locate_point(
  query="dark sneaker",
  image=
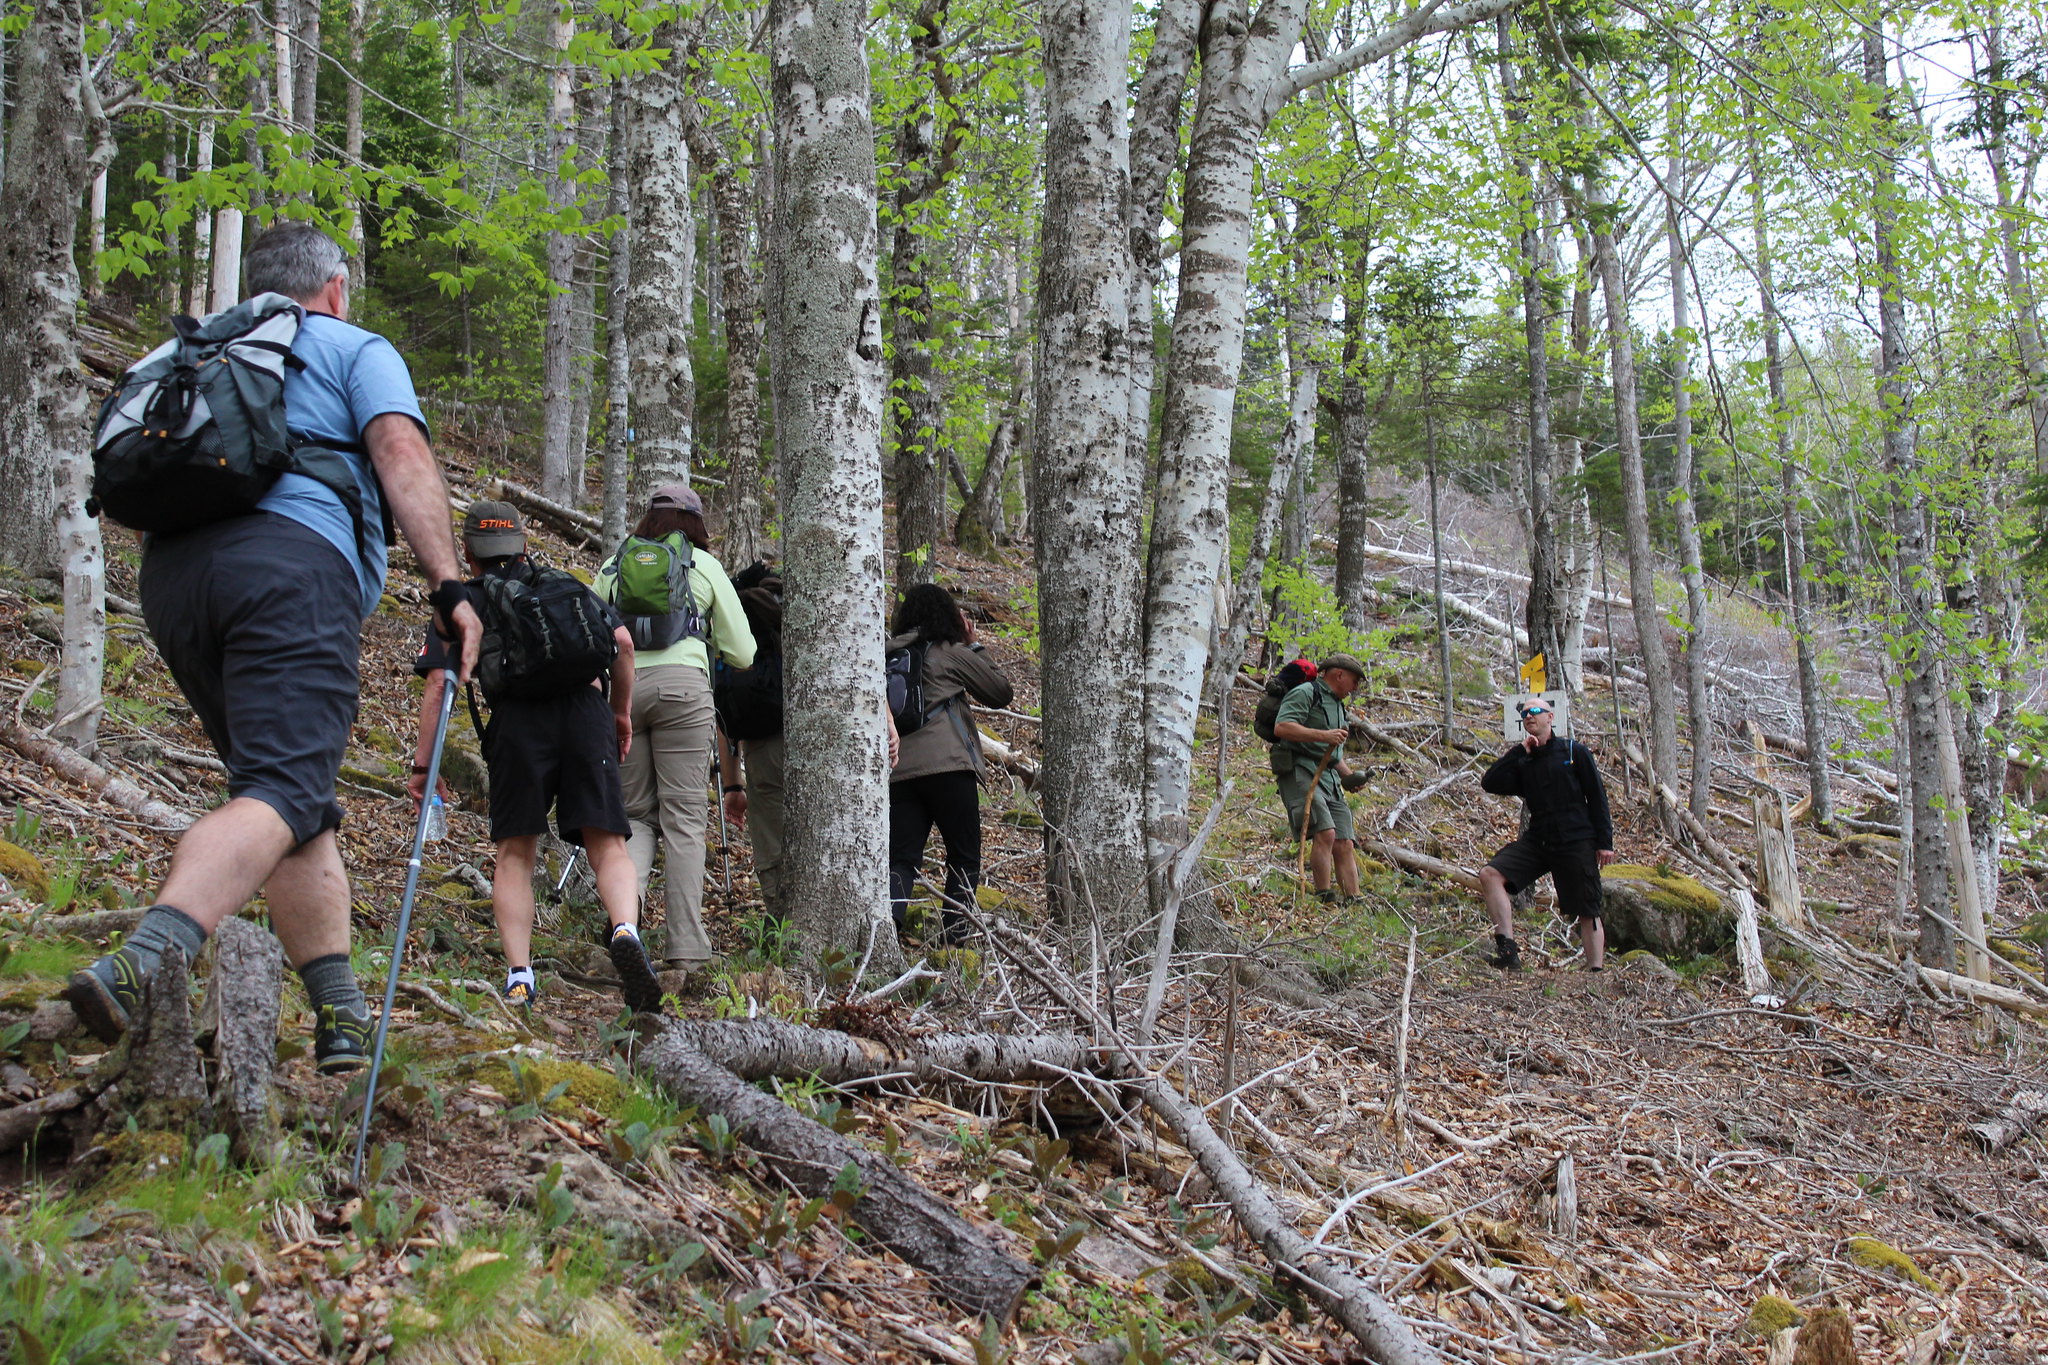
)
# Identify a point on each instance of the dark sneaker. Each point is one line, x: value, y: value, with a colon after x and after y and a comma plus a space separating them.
x: 104, y: 994
x: 1326, y: 897
x: 1506, y: 954
x: 341, y: 1043
x: 636, y: 974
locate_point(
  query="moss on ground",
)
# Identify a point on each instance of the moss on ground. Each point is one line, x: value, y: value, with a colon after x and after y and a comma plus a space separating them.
x: 1773, y: 1314
x: 1872, y: 1254
x: 25, y: 870
x: 588, y: 1086
x: 1668, y: 890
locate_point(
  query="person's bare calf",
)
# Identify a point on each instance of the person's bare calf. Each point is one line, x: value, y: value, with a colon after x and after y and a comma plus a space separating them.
x: 1593, y: 942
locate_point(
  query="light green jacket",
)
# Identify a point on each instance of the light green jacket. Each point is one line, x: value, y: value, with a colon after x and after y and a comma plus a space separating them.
x: 714, y: 596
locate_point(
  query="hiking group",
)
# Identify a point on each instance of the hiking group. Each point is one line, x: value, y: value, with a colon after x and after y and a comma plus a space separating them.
x: 1568, y: 833
x: 269, y: 453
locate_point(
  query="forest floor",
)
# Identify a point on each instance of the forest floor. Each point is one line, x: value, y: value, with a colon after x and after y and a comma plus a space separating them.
x: 1736, y: 1167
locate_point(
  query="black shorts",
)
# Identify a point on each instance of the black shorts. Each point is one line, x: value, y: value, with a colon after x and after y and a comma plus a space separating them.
x: 561, y: 753
x: 260, y: 620
x: 1574, y: 870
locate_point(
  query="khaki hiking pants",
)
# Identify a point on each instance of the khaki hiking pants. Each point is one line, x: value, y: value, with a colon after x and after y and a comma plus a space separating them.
x: 667, y: 777
x: 763, y: 761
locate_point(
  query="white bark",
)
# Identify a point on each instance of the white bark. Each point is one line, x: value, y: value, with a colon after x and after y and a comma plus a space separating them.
x: 1087, y: 484
x: 618, y: 388
x: 197, y: 284
x: 85, y: 586
x: 557, y: 396
x: 826, y: 315
x: 659, y: 278
x: 352, y: 131
x: 1699, y: 722
x: 96, y: 235
x: 1642, y: 578
x: 226, y: 289
x: 43, y: 406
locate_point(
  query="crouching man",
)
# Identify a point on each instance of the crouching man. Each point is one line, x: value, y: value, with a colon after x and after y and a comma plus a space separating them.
x: 560, y: 751
x: 1571, y: 835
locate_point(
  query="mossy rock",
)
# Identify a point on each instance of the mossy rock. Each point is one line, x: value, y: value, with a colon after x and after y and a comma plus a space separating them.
x: 1371, y: 867
x: 1643, y: 960
x: 1667, y: 914
x: 588, y: 1086
x: 24, y: 871
x: 1773, y: 1314
x: 966, y: 959
x: 1182, y: 1279
x: 1872, y: 1254
x: 462, y: 768
x: 1859, y: 844
x: 375, y: 781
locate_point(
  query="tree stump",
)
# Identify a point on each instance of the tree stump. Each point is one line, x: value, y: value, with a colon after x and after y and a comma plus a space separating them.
x: 153, y: 1074
x: 242, y: 999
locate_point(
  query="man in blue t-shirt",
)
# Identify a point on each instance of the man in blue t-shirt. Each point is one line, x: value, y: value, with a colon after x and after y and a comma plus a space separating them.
x: 259, y: 618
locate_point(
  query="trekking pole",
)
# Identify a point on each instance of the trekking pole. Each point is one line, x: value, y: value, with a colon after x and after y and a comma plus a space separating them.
x: 412, y: 886
x: 568, y: 871
x: 724, y: 835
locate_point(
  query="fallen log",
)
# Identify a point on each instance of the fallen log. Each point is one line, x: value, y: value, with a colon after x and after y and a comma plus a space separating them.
x: 1409, y: 860
x: 1985, y: 992
x: 116, y: 791
x: 2028, y: 1111
x: 1381, y: 737
x: 579, y: 527
x: 968, y: 1266
x: 1009, y: 760
x: 21, y: 1123
x: 1383, y: 1333
x: 755, y: 1049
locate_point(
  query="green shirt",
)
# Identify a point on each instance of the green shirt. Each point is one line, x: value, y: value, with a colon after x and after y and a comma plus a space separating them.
x: 714, y: 596
x: 1311, y: 706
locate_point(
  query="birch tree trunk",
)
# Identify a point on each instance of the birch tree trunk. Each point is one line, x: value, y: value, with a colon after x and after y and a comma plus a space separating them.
x: 557, y: 384
x: 96, y: 233
x: 1546, y: 608
x: 1699, y: 721
x: 305, y: 66
x: 1919, y: 656
x: 43, y: 407
x: 1309, y: 305
x: 659, y: 277
x: 352, y: 131
x: 1086, y: 476
x: 1154, y: 154
x: 826, y: 310
x: 618, y: 380
x: 1642, y: 577
x: 1812, y: 705
x: 983, y: 523
x: 199, y: 282
x: 744, y: 537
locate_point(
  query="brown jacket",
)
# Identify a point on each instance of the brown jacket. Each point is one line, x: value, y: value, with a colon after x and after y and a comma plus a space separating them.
x: 948, y: 742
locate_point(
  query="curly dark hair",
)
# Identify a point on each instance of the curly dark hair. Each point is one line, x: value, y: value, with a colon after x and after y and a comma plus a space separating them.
x: 657, y: 522
x: 929, y: 610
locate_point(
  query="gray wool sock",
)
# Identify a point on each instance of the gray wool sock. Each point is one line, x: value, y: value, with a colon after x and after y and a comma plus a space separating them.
x: 161, y: 927
x: 331, y: 980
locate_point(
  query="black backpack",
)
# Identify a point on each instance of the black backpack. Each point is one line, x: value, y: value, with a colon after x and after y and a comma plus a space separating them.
x: 1282, y: 681
x: 749, y: 700
x: 195, y: 431
x: 903, y: 670
x: 545, y: 634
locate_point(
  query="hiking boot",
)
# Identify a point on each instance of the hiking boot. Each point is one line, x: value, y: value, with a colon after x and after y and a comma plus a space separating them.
x: 1326, y: 897
x: 341, y: 1043
x: 636, y: 974
x: 104, y: 994
x: 1506, y: 955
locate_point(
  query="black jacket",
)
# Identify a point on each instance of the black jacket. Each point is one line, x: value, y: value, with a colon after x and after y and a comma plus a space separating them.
x: 1561, y: 784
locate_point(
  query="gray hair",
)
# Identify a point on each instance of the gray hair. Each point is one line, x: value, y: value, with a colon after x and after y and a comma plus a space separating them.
x: 295, y: 260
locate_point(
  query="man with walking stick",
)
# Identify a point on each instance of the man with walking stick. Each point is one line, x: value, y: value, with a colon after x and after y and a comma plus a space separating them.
x: 259, y: 617
x: 1308, y: 761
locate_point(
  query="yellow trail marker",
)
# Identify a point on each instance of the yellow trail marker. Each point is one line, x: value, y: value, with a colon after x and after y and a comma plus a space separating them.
x: 1534, y: 676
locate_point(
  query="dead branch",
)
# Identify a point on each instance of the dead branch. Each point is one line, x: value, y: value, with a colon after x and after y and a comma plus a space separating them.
x: 578, y: 527
x: 1383, y: 1333
x: 968, y: 1267
x: 2028, y: 1109
x: 118, y: 791
x: 21, y: 1123
x: 1009, y: 760
x: 1409, y: 860
x: 1985, y: 992
x: 756, y: 1049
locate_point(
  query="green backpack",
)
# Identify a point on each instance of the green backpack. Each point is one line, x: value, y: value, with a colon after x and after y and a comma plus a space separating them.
x: 654, y: 595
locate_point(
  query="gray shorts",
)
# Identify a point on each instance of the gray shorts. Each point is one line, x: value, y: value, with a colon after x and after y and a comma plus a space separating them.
x: 260, y: 621
x: 1329, y: 810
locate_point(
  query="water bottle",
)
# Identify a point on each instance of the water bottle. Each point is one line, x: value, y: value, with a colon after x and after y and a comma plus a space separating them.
x: 437, y: 818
